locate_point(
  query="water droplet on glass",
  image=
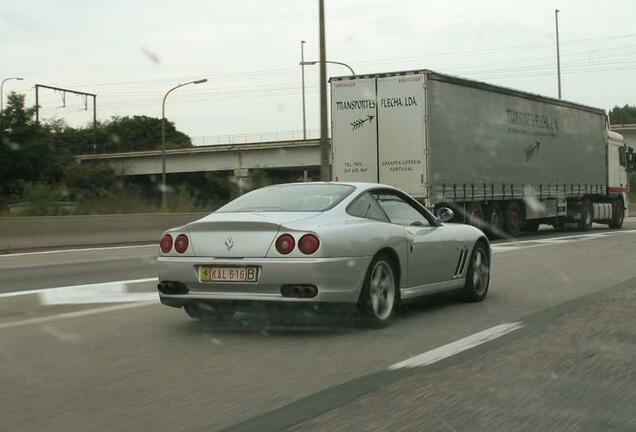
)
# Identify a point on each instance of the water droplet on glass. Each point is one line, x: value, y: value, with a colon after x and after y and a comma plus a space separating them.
x: 150, y: 55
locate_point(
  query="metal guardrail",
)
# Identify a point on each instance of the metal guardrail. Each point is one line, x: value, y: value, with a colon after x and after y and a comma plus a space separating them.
x: 241, y: 138
x: 255, y: 137
x: 87, y: 230
x: 114, y: 147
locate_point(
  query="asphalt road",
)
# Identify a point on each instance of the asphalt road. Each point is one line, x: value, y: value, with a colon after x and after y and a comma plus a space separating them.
x: 565, y: 302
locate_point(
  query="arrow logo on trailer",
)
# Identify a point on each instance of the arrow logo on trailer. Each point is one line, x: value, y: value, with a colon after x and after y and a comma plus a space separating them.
x: 357, y: 124
x: 532, y: 150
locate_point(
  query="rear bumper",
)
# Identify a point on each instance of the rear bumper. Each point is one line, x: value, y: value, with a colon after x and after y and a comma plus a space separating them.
x: 338, y: 280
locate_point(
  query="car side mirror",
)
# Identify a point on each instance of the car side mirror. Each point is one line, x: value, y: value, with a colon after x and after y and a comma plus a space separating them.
x: 445, y: 214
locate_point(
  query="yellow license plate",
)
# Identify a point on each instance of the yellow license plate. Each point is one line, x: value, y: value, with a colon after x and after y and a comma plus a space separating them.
x: 228, y: 274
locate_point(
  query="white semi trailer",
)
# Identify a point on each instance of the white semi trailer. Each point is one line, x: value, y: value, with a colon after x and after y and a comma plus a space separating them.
x: 503, y: 159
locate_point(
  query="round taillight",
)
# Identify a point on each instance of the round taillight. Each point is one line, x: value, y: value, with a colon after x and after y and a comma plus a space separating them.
x: 308, y: 244
x: 181, y: 243
x: 285, y: 244
x: 166, y: 243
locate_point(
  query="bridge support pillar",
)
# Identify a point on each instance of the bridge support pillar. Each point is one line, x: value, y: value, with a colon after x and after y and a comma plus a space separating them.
x: 241, y: 175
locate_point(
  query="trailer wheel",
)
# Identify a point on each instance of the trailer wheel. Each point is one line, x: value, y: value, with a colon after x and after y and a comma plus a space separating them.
x: 618, y: 214
x: 513, y: 218
x: 475, y: 215
x: 494, y: 220
x: 585, y: 223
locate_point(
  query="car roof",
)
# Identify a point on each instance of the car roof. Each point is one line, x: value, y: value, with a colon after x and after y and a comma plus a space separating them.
x: 357, y: 185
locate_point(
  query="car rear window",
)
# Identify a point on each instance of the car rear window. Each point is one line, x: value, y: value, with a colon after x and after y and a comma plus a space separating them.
x: 283, y: 198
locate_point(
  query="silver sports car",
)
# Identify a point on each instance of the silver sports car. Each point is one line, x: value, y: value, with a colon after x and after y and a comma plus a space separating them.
x: 359, y: 243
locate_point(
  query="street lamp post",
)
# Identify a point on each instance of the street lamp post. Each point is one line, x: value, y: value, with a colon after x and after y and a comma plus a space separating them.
x: 309, y: 63
x: 302, y: 68
x: 1, y: 88
x: 325, y: 148
x: 556, y: 21
x: 163, y: 139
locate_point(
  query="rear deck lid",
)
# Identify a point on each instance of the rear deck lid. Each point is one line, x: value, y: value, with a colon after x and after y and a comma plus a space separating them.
x: 239, y: 235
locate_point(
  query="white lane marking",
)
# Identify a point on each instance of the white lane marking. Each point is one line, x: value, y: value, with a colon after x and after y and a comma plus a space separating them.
x: 74, y: 287
x: 109, y: 292
x: 61, y: 335
x: 105, y: 294
x: 77, y: 250
x: 70, y: 315
x: 514, y: 245
x: 456, y: 347
x: 499, y: 249
x: 576, y: 237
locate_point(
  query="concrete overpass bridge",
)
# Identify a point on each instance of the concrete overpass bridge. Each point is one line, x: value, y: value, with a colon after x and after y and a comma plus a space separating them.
x: 239, y: 158
x: 628, y: 131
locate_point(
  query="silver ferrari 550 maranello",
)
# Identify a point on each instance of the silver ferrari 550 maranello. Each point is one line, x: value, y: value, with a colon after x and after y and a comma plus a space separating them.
x: 365, y: 244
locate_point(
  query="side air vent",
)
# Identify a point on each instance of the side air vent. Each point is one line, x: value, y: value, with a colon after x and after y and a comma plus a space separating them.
x: 461, y: 263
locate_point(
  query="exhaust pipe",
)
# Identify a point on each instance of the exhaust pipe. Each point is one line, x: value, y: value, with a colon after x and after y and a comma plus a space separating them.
x: 310, y: 291
x: 172, y: 288
x: 299, y: 291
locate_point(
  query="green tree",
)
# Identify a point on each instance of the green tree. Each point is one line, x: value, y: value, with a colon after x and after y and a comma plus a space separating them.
x: 118, y: 134
x: 208, y: 189
x: 27, y: 151
x: 145, y: 131
x: 89, y: 180
x: 75, y: 140
x: 623, y: 115
x: 37, y: 164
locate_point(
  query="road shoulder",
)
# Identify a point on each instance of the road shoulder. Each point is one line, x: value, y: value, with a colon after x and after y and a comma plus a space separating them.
x: 568, y: 368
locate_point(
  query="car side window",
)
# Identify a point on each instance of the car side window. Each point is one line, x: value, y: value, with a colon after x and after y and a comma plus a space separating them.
x: 366, y: 207
x: 399, y: 211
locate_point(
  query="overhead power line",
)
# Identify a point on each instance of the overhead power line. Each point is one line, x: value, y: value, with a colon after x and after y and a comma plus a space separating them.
x: 63, y: 92
x: 293, y: 70
x: 585, y: 55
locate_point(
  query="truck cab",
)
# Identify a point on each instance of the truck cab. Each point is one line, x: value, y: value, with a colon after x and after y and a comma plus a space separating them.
x: 620, y: 161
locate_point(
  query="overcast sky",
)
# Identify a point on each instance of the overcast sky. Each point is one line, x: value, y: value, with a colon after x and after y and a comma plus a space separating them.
x: 130, y: 52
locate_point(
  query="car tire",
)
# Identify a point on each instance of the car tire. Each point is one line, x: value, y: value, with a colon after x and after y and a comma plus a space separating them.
x: 585, y: 223
x: 618, y: 214
x: 380, y: 293
x: 513, y: 218
x: 493, y: 220
x: 210, y: 311
x: 477, y: 275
